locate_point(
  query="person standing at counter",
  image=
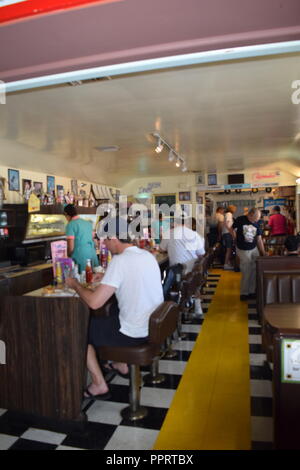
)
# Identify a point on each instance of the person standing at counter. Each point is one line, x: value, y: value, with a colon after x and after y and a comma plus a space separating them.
x: 277, y: 222
x: 80, y: 241
x: 134, y: 277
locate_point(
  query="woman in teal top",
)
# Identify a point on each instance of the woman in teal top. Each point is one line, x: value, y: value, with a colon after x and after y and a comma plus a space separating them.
x: 80, y: 239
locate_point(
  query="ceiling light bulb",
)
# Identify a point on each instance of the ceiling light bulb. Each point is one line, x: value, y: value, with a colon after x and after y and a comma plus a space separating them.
x: 178, y: 163
x: 171, y: 156
x: 159, y: 147
x: 298, y: 180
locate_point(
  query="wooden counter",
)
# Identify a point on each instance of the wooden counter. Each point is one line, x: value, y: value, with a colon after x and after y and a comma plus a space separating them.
x: 17, y: 280
x: 45, y: 371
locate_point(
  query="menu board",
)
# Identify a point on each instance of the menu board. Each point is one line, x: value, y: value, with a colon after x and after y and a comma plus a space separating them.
x: 165, y: 199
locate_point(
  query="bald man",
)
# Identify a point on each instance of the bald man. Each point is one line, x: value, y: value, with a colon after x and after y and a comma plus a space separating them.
x: 249, y: 246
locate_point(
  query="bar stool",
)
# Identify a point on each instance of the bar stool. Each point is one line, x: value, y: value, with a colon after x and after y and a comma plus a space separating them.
x: 162, y: 323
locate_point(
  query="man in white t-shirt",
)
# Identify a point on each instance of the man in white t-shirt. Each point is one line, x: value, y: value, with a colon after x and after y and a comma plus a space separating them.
x: 134, y: 277
x: 184, y: 246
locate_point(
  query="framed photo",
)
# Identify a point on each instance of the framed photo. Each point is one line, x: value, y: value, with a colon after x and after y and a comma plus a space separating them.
x: 185, y: 196
x: 38, y: 187
x: 13, y: 180
x: 200, y: 178
x: 199, y: 198
x: 74, y: 187
x: 186, y: 210
x: 50, y: 184
x: 212, y: 179
x: 59, y: 187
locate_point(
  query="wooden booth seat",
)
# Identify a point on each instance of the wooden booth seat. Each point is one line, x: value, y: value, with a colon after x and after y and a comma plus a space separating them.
x: 280, y: 288
x: 271, y: 264
x: 283, y: 322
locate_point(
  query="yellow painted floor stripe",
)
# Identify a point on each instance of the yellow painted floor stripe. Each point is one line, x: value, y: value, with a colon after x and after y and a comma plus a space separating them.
x: 211, y: 407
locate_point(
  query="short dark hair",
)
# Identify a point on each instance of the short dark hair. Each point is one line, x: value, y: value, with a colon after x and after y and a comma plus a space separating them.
x: 70, y: 210
x: 276, y: 208
x: 292, y: 242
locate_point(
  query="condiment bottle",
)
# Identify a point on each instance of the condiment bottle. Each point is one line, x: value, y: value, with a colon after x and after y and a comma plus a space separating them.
x: 59, y: 277
x: 88, y: 271
x: 103, y: 258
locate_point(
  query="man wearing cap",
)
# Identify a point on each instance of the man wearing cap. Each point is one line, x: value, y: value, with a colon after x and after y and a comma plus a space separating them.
x: 134, y: 277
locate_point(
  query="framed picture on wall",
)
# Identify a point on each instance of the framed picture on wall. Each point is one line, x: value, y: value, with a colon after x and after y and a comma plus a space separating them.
x: 185, y: 196
x: 200, y: 178
x: 38, y: 187
x: 74, y: 187
x: 59, y: 187
x: 13, y: 180
x: 50, y: 184
x: 212, y: 179
x: 199, y: 198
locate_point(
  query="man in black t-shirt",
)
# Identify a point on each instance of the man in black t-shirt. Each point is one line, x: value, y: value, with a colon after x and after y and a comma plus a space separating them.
x: 249, y: 245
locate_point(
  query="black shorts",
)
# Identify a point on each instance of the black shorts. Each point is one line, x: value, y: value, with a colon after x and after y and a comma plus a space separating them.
x: 104, y: 331
x: 227, y: 240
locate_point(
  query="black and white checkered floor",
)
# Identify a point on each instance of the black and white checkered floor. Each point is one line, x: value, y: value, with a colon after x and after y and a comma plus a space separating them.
x: 105, y: 428
x: 260, y: 386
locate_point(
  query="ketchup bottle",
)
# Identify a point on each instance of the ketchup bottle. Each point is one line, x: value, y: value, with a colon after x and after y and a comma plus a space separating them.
x: 88, y: 271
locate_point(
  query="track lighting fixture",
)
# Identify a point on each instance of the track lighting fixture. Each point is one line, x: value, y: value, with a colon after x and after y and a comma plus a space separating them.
x: 184, y: 168
x: 159, y: 147
x: 161, y: 143
x: 171, y: 156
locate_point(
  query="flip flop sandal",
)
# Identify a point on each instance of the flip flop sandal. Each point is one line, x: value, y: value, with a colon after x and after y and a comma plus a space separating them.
x: 102, y: 396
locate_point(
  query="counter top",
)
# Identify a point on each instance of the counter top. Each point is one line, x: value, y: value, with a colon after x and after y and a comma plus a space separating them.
x: 16, y: 271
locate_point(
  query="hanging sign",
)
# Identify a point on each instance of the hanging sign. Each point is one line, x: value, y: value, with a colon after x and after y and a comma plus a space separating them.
x: 265, y: 176
x: 237, y: 186
x: 12, y: 10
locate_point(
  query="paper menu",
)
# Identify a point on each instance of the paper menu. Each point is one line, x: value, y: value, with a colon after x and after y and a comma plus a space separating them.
x: 58, y: 250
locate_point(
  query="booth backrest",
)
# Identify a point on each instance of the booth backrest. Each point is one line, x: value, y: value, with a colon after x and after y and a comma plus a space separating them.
x: 281, y: 287
x: 272, y: 264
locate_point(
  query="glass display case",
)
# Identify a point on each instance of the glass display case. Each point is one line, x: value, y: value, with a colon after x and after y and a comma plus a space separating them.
x: 92, y: 218
x: 45, y: 226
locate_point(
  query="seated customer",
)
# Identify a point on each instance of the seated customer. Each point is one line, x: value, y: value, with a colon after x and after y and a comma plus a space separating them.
x: 184, y: 245
x: 292, y: 244
x: 134, y: 277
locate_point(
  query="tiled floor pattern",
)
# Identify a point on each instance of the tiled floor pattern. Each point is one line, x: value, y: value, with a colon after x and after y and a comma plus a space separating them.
x: 105, y: 428
x: 260, y: 385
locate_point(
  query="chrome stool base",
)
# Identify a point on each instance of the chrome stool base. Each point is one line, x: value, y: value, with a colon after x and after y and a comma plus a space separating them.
x: 131, y: 415
x: 157, y: 379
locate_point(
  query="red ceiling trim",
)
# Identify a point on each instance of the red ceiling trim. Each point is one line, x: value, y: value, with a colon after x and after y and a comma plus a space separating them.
x: 30, y: 8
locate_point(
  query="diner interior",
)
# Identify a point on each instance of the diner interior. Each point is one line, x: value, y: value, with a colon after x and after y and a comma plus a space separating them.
x: 189, y: 110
